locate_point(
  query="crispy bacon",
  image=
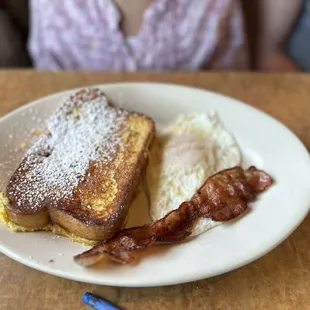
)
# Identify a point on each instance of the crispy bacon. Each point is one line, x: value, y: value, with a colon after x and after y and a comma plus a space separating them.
x: 223, y: 197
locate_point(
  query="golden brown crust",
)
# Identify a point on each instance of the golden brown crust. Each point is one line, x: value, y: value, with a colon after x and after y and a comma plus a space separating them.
x: 93, y: 227
x: 98, y: 205
x: 36, y: 220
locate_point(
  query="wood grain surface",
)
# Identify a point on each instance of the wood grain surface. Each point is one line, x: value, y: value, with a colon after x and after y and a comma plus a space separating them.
x: 279, y: 280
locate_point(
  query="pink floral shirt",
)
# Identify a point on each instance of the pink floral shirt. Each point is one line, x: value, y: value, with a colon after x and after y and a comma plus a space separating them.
x: 174, y: 35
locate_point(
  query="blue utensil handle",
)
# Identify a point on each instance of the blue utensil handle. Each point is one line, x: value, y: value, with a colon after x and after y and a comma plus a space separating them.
x: 97, y: 302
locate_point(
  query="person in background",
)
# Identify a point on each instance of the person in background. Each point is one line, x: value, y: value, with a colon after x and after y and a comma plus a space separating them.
x: 157, y: 35
x: 114, y: 35
x: 166, y: 34
x: 276, y: 28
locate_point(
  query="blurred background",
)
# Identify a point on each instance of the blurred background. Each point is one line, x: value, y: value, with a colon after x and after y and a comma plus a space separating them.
x: 15, y: 20
x: 14, y: 27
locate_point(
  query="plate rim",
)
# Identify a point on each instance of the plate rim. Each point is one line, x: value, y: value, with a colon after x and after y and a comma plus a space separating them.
x: 101, y: 281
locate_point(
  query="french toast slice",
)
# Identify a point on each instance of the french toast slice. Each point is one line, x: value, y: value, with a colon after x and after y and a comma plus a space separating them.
x: 83, y: 172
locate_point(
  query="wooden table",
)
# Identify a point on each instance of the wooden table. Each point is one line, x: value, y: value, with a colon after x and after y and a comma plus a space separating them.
x: 279, y: 280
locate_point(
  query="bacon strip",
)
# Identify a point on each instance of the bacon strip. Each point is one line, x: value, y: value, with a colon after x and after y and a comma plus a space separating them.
x: 223, y: 197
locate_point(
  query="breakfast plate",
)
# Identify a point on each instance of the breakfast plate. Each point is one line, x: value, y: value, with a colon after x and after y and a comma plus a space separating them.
x: 264, y: 142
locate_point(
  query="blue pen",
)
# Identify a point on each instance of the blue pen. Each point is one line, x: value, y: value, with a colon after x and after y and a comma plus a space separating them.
x: 97, y: 302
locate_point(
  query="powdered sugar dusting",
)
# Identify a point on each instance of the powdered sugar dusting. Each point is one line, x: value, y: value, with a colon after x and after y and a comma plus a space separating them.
x: 83, y: 130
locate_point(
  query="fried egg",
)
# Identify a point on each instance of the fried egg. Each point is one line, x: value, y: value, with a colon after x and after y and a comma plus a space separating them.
x: 185, y: 153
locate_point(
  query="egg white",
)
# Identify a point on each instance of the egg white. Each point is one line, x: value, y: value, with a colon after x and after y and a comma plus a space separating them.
x: 184, y: 155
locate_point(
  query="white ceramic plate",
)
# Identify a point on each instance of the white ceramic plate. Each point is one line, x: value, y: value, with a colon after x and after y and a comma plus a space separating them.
x: 264, y: 142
